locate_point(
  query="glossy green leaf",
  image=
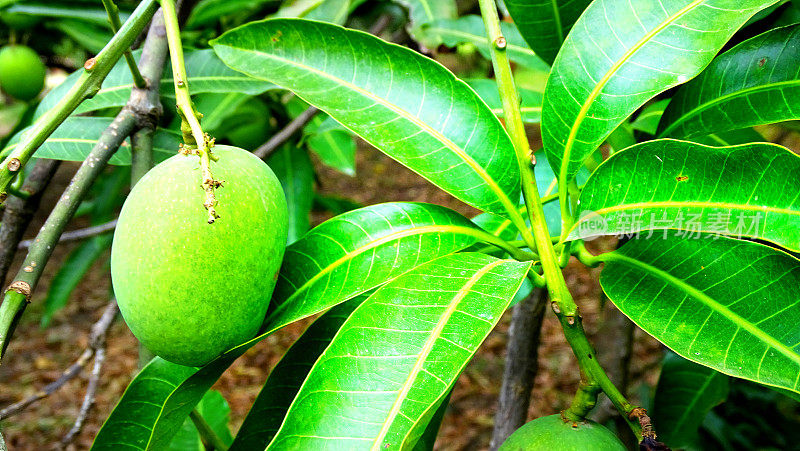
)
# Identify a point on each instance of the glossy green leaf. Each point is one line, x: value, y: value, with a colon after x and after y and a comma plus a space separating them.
x: 647, y: 121
x: 362, y: 249
x: 131, y: 423
x: 206, y: 74
x: 545, y: 23
x: 294, y: 170
x: 90, y: 36
x: 427, y: 440
x: 470, y: 29
x: 423, y: 12
x: 530, y: 106
x: 215, y: 410
x: 207, y: 12
x: 730, y: 138
x: 384, y: 375
x: 757, y: 82
x: 406, y: 234
x: 686, y: 392
x: 333, y: 144
x: 53, y: 9
x: 75, y: 137
x: 409, y: 106
x: 741, y: 191
x: 216, y: 108
x: 273, y: 401
x: 619, y: 55
x: 727, y: 304
x: 333, y: 11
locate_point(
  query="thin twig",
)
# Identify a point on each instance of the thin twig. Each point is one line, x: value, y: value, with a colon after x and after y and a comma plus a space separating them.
x: 113, y: 20
x: 277, y: 140
x: 19, y: 212
x: 520, y: 367
x: 96, y: 340
x: 77, y: 235
x: 88, y: 399
x: 209, y: 438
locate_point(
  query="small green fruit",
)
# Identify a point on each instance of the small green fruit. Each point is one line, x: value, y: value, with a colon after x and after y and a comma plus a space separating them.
x: 551, y: 433
x: 190, y: 290
x: 21, y: 72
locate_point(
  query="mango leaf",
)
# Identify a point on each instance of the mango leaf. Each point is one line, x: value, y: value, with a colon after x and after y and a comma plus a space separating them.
x: 470, y: 29
x: 216, y: 108
x: 267, y: 413
x: 427, y: 440
x: 686, y: 392
x: 399, y: 353
x: 647, y: 121
x: 545, y: 23
x: 409, y: 106
x: 52, y: 9
x: 422, y: 12
x: 75, y: 137
x: 362, y: 249
x: 742, y: 191
x: 396, y: 237
x: 206, y: 74
x: 727, y: 304
x: 621, y: 54
x: 332, y: 143
x: 730, y: 138
x: 294, y: 170
x: 88, y: 35
x: 757, y: 82
x: 333, y: 11
x: 531, y: 106
x: 210, y: 11
x: 215, y: 410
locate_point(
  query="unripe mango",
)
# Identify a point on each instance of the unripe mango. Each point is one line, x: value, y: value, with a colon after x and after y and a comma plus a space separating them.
x: 551, y: 433
x: 22, y: 73
x: 190, y: 290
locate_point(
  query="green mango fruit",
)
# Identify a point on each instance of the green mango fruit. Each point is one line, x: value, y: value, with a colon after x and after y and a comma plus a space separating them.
x: 551, y: 433
x: 21, y: 72
x: 190, y: 290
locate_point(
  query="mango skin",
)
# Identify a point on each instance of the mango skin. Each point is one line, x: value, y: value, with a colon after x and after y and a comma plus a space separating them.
x: 190, y: 290
x: 22, y: 73
x: 551, y: 433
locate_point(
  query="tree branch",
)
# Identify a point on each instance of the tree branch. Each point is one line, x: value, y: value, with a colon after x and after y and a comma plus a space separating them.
x: 520, y: 366
x: 77, y: 235
x: 19, y: 212
x: 278, y: 139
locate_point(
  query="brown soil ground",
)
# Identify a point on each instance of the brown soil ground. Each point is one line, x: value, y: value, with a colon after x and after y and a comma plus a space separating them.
x: 38, y: 356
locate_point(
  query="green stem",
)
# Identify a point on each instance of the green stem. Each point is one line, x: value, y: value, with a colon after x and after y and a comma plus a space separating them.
x: 207, y: 435
x: 113, y: 19
x: 561, y: 300
x: 193, y: 135
x: 87, y: 85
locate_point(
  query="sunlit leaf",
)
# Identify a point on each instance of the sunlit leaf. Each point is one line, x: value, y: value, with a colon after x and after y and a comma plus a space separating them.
x: 399, y: 353
x: 727, y: 304
x: 545, y: 23
x: 406, y: 105
x: 619, y: 55
x: 742, y: 191
x: 757, y: 82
